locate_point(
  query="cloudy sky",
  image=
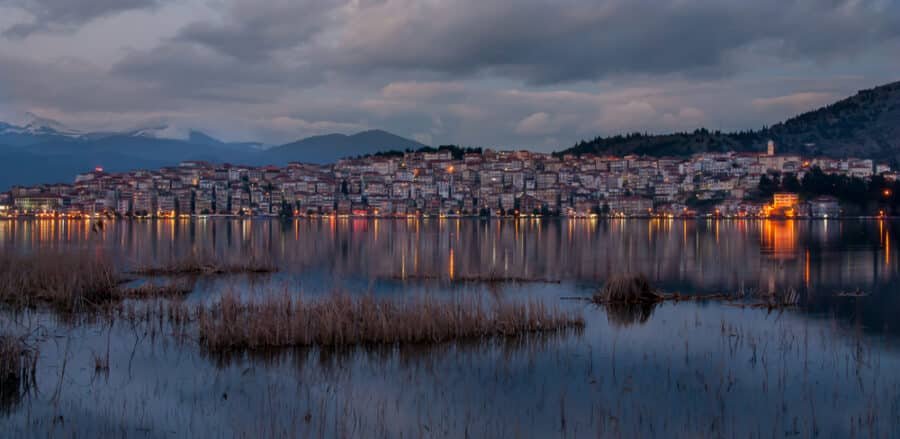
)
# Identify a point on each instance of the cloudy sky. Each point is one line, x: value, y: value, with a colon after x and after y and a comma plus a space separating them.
x: 509, y: 73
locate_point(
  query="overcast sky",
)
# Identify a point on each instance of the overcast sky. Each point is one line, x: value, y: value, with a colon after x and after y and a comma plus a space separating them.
x: 513, y: 73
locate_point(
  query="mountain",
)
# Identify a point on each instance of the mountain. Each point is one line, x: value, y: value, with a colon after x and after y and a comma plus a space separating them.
x: 18, y: 166
x: 37, y: 130
x: 46, y: 151
x: 864, y: 125
x: 332, y: 147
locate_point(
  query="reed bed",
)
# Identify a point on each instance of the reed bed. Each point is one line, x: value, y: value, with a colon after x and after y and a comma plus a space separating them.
x: 67, y: 281
x: 623, y: 290
x: 341, y: 320
x: 206, y: 265
x: 17, y: 369
x: 483, y: 279
x: 155, y: 289
x: 72, y: 282
x: 627, y: 289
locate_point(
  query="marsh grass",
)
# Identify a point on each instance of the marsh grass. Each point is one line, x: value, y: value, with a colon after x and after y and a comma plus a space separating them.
x: 780, y: 299
x: 207, y: 265
x: 475, y: 279
x: 72, y: 283
x: 627, y: 289
x: 632, y: 297
x: 155, y: 289
x: 17, y: 369
x: 341, y: 320
x: 66, y: 281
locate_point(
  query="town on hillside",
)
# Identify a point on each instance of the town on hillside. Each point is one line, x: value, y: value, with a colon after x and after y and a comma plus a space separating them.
x: 451, y: 181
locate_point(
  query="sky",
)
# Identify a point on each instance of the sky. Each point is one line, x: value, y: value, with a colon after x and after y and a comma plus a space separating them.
x: 538, y: 74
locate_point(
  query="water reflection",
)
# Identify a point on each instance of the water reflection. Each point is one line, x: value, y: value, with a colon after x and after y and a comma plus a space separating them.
x: 624, y: 315
x: 688, y: 369
x: 690, y: 255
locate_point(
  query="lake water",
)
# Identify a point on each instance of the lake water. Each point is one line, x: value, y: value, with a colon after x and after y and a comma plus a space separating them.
x: 829, y: 367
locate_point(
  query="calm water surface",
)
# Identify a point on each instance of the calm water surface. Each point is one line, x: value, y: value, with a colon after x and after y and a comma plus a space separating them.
x: 828, y: 368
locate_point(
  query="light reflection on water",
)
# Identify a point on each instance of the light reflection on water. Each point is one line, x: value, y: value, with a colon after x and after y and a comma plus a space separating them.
x: 684, y: 255
x: 827, y: 368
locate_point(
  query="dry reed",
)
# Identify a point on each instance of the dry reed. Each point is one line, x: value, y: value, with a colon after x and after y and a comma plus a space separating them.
x: 17, y: 369
x: 208, y: 265
x: 342, y: 320
x: 72, y: 282
x: 475, y: 279
x: 67, y: 281
x: 627, y: 289
x: 153, y: 289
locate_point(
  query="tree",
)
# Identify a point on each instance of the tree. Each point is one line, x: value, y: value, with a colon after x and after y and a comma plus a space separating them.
x: 790, y: 183
x: 768, y: 185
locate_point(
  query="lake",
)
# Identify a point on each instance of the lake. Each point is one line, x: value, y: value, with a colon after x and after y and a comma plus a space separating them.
x: 827, y: 367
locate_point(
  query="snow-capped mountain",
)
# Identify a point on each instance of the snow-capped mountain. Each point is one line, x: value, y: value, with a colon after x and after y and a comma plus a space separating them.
x: 43, y: 126
x: 40, y: 130
x: 39, y: 126
x: 166, y: 131
x: 36, y: 130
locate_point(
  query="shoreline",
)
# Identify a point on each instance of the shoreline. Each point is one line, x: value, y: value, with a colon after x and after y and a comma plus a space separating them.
x: 436, y: 217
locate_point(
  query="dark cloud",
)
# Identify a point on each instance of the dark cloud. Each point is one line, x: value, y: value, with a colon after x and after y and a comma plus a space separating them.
x: 492, y: 72
x: 253, y: 30
x: 550, y: 41
x: 183, y: 70
x: 70, y: 86
x: 65, y: 15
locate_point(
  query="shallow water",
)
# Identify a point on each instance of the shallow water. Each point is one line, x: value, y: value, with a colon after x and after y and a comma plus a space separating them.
x: 827, y: 368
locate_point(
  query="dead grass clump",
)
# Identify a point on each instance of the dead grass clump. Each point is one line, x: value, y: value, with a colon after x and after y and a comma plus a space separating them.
x: 208, y: 265
x: 17, y: 369
x: 153, y: 289
x: 66, y: 281
x: 342, y: 320
x: 777, y: 300
x: 625, y: 289
x: 476, y: 279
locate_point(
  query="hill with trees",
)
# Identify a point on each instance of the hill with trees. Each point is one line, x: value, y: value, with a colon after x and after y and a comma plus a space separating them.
x: 864, y: 125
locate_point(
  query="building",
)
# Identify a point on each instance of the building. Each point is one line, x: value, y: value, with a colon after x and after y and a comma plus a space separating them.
x: 143, y: 203
x: 420, y: 183
x: 784, y: 204
x: 824, y: 207
x: 123, y: 206
x: 630, y: 206
x: 785, y: 200
x: 166, y: 205
x: 38, y: 203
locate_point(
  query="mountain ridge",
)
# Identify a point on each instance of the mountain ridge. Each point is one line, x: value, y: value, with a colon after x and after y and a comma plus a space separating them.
x: 865, y: 125
x: 42, y: 154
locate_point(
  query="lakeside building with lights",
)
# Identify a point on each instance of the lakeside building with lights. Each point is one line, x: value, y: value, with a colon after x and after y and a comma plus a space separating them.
x: 449, y: 183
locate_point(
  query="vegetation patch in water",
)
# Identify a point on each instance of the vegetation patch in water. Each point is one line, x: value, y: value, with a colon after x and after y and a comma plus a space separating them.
x: 66, y: 281
x: 342, y: 320
x: 627, y: 289
x: 208, y: 265
x: 17, y: 369
x: 155, y: 289
x: 624, y: 290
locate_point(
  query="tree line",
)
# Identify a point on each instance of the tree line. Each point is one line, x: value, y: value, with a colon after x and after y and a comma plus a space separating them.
x: 867, y: 195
